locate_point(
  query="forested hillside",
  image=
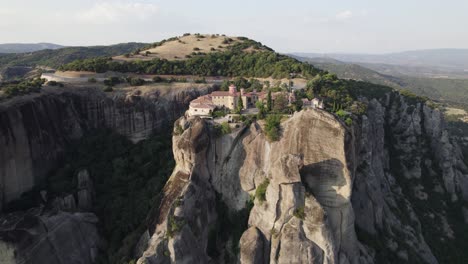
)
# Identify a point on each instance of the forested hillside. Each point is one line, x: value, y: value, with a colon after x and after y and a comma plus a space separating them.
x: 16, y: 65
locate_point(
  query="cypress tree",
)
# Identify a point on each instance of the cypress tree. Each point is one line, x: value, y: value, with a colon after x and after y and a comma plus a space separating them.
x: 269, y: 101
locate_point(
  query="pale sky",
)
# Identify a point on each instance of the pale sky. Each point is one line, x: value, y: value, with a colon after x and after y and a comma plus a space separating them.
x: 359, y: 26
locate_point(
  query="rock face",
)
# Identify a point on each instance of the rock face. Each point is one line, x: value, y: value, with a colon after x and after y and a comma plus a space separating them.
x: 409, y: 184
x: 253, y: 245
x: 33, y: 237
x: 382, y: 191
x: 35, y: 129
x: 305, y: 215
x: 59, y: 231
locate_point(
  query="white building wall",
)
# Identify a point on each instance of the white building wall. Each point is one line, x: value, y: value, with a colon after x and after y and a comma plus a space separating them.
x: 194, y: 111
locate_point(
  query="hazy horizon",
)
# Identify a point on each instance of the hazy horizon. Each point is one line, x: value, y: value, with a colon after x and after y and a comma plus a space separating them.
x: 362, y: 27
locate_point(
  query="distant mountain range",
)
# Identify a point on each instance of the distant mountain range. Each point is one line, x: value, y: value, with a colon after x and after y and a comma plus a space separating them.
x: 27, y: 47
x: 437, y: 63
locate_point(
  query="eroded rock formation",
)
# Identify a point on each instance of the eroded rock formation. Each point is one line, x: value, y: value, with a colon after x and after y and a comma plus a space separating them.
x: 305, y: 215
x: 35, y: 129
x: 393, y: 176
x: 34, y: 237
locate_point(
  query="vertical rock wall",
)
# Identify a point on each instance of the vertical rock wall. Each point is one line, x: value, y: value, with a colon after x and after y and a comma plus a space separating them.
x: 35, y: 130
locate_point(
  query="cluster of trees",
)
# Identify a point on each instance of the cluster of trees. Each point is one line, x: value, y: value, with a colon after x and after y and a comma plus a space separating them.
x: 272, y: 127
x: 240, y: 82
x: 112, y: 81
x: 55, y: 58
x: 229, y: 63
x: 159, y: 79
x: 55, y: 83
x: 12, y: 89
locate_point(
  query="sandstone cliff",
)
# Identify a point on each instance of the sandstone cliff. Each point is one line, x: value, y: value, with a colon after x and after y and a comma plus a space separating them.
x: 35, y: 129
x: 394, y: 177
x: 35, y: 237
x: 305, y: 215
x: 410, y: 184
x: 58, y: 231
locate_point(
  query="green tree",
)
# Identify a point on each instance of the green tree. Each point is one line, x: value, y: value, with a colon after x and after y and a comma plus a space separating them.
x: 240, y: 105
x: 269, y: 101
x: 280, y: 104
x: 272, y: 127
x: 225, y: 85
x: 261, y: 110
x: 297, y: 105
x: 225, y: 128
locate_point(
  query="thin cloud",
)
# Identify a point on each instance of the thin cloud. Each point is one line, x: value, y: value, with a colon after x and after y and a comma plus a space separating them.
x: 344, y: 15
x: 110, y: 12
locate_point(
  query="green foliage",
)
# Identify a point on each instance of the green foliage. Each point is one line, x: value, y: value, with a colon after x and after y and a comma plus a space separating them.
x: 269, y: 101
x: 112, y: 81
x: 21, y: 88
x: 174, y: 225
x: 178, y: 130
x: 299, y: 213
x: 233, y: 62
x: 135, y: 81
x: 272, y: 127
x: 108, y: 89
x: 260, y: 192
x: 159, y: 79
x: 92, y: 80
x: 219, y: 234
x: 365, y: 89
x: 225, y: 128
x: 52, y: 83
x: 128, y: 179
x: 412, y: 98
x: 240, y: 105
x: 349, y: 121
x: 56, y: 58
x: 280, y: 105
x: 341, y: 114
x: 358, y: 108
x: 262, y: 110
x: 454, y: 91
x: 220, y: 113
x: 200, y: 80
x: 297, y: 105
x: 221, y: 130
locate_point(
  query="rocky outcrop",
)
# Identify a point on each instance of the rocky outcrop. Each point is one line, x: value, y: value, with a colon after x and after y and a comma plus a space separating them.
x: 35, y: 129
x: 409, y: 182
x: 303, y: 216
x: 60, y: 230
x: 253, y: 245
x: 37, y: 237
x: 388, y: 189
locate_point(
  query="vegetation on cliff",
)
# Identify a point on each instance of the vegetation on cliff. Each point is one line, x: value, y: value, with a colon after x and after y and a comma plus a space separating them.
x: 128, y: 179
x: 11, y: 89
